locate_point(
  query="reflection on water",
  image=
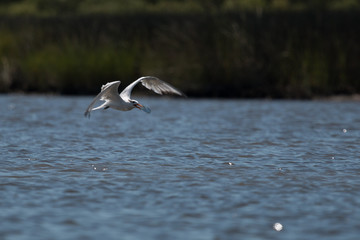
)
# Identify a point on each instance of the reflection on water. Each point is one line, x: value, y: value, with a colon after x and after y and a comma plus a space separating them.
x: 194, y: 169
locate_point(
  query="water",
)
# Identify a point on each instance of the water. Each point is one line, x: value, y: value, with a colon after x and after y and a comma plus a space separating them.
x: 192, y: 169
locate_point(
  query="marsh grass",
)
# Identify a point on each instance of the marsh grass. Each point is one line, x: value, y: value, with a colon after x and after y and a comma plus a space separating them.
x: 276, y: 54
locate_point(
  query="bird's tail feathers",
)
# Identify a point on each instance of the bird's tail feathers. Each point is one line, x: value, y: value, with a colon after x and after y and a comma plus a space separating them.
x: 88, y: 111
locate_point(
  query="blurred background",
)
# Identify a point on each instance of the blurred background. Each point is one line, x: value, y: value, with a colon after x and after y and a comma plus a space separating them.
x: 297, y: 49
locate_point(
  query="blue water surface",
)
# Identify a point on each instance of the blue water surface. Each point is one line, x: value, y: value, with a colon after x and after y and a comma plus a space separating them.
x: 192, y: 169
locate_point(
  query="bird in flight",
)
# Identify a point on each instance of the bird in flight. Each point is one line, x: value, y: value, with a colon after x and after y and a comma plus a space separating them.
x: 109, y: 93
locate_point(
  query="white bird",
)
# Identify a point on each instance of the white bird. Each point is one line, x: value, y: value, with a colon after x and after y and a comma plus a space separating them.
x: 109, y: 93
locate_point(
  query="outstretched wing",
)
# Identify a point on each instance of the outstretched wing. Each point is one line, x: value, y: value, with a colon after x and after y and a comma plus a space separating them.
x: 108, y: 92
x: 151, y: 83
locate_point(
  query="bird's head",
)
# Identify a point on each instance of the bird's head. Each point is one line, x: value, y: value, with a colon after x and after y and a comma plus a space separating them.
x: 139, y: 106
x: 136, y: 104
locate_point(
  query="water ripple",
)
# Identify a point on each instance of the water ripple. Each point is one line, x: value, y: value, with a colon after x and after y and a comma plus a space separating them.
x: 205, y: 169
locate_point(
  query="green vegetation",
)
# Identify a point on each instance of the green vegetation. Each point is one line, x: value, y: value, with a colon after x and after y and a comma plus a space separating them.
x: 222, y: 48
x: 84, y: 7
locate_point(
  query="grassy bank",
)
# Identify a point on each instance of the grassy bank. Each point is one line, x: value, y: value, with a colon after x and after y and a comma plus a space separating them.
x: 278, y: 54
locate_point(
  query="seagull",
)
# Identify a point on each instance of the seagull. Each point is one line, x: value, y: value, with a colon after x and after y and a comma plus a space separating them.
x: 109, y: 93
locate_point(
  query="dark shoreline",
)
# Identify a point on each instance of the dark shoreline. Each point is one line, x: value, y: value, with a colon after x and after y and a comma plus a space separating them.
x: 276, y: 55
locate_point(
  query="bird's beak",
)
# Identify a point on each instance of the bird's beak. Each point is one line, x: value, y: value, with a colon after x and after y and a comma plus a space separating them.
x: 143, y: 108
x: 139, y: 106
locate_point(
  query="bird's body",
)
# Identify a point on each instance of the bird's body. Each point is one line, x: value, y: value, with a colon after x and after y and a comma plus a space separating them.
x: 109, y: 93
